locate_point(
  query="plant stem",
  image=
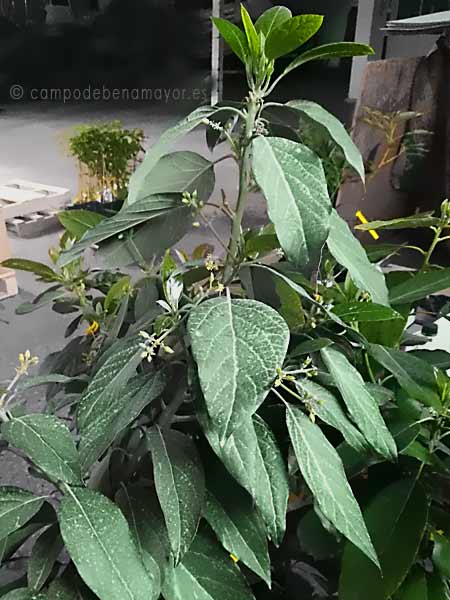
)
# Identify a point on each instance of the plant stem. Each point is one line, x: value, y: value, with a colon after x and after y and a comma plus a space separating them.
x: 244, y: 184
x: 434, y: 243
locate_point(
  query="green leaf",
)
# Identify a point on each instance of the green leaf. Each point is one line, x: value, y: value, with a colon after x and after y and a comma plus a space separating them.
x: 250, y: 32
x: 109, y: 382
x: 238, y: 346
x: 416, y: 221
x: 291, y: 308
x: 291, y: 34
x: 396, y: 520
x: 441, y: 554
x: 44, y: 555
x: 17, y: 507
x: 413, y: 374
x: 49, y: 444
x: 323, y: 404
x: 324, y: 474
x: 293, y: 181
x: 360, y: 403
x: 271, y: 19
x: 437, y: 588
x: 314, y: 539
x: 32, y: 382
x: 78, y: 222
x: 116, y: 292
x: 69, y: 587
x: 24, y: 594
x: 180, y: 485
x: 328, y: 123
x: 143, y: 512
x: 231, y: 514
x: 416, y: 588
x: 420, y: 286
x: 140, y: 391
x: 44, y: 272
x: 148, y: 210
x: 254, y: 459
x: 99, y: 542
x: 310, y: 346
x: 207, y: 572
x: 234, y: 37
x: 327, y: 51
x: 138, y: 181
x: 365, y: 312
x: 182, y: 171
x: 349, y: 253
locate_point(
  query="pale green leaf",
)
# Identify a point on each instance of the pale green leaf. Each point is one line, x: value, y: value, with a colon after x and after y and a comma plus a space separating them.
x: 293, y: 181
x: 250, y: 32
x: 414, y: 375
x: 44, y: 555
x: 328, y: 123
x: 31, y: 382
x: 348, y: 252
x: 99, y: 542
x: 329, y: 51
x: 234, y: 37
x: 291, y: 34
x: 49, y: 444
x: 17, y: 507
x: 238, y: 346
x: 420, y: 286
x: 364, y: 312
x: 271, y: 19
x: 231, y: 513
x: 207, y: 572
x: 78, y: 222
x: 360, y: 403
x: 117, y: 292
x: 324, y: 474
x: 104, y: 429
x: 109, y: 382
x: 137, y: 185
x: 44, y: 272
x: 324, y: 405
x: 180, y: 485
x: 396, y: 520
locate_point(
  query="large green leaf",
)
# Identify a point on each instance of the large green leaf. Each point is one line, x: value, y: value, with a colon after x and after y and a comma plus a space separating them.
x: 348, y: 251
x: 17, y: 507
x: 324, y: 474
x: 99, y: 542
x: 207, y: 572
x: 365, y: 312
x: 416, y: 376
x: 254, y: 459
x: 44, y: 555
x: 291, y: 34
x: 143, y: 512
x: 24, y: 594
x: 271, y: 19
x: 180, y: 485
x: 49, y: 444
x: 322, y: 403
x: 416, y: 588
x: 148, y: 210
x: 328, y: 123
x: 182, y: 171
x: 109, y: 382
x: 103, y: 430
x: 420, y: 286
x: 78, y: 222
x: 238, y: 346
x: 327, y: 51
x: 314, y: 539
x: 138, y: 181
x: 44, y: 272
x: 234, y: 37
x: 361, y: 404
x: 396, y: 520
x: 231, y: 514
x: 293, y: 181
x: 441, y: 553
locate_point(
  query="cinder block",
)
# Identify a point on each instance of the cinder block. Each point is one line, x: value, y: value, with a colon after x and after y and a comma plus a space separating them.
x: 34, y: 225
x: 8, y: 283
x: 19, y: 198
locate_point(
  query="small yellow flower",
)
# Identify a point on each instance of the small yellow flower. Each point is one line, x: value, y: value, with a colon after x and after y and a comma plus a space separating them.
x: 92, y: 329
x: 211, y: 264
x: 25, y: 362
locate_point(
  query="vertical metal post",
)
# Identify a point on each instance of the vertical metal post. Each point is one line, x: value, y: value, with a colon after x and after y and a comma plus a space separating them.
x: 217, y: 56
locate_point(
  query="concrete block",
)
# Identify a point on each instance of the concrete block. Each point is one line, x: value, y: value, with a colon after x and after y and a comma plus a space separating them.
x: 34, y: 225
x: 8, y: 283
x: 19, y: 198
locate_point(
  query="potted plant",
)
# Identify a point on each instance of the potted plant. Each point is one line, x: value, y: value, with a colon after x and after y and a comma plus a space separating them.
x: 246, y: 422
